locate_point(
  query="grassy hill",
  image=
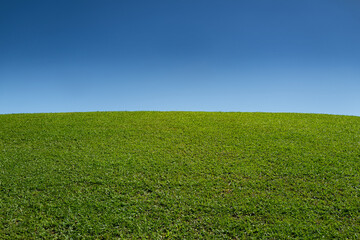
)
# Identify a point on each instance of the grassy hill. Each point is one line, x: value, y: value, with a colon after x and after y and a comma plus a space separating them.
x: 179, y: 175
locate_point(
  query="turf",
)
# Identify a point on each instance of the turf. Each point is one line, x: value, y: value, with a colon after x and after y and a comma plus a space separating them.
x: 179, y: 175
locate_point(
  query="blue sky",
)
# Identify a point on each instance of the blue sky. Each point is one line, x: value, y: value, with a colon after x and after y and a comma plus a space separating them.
x: 188, y: 55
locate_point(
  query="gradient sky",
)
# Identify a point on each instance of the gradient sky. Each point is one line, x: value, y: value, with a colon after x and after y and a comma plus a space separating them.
x: 184, y: 55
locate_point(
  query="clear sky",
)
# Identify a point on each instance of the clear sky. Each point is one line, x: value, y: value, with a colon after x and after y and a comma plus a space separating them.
x: 184, y: 55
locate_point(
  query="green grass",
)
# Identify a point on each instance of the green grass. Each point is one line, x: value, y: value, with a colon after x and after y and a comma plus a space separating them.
x: 181, y: 175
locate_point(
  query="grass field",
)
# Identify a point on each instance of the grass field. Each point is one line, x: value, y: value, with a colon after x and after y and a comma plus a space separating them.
x: 181, y: 175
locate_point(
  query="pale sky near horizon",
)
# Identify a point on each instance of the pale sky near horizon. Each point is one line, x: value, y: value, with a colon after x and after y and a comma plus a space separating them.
x: 202, y: 55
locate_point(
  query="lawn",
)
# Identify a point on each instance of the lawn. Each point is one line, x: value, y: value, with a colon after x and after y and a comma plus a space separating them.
x: 181, y: 175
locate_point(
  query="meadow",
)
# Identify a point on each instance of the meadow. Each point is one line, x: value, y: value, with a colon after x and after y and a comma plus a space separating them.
x: 179, y: 175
